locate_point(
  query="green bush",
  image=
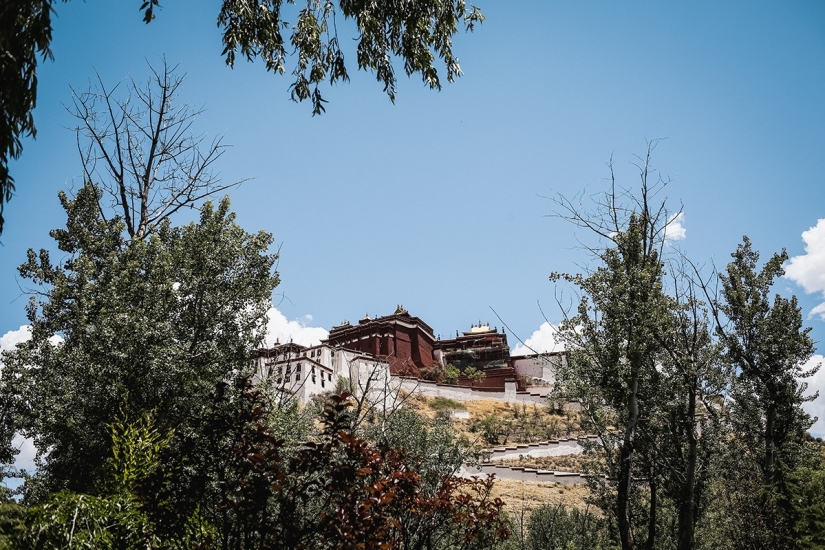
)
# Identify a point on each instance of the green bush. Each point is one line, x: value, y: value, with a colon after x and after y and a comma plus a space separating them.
x: 446, y: 404
x: 559, y: 528
x: 451, y: 374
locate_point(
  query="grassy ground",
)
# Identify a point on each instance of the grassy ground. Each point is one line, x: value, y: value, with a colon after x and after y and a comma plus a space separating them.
x: 520, y: 497
x: 569, y: 463
x: 524, y: 496
x: 497, y: 423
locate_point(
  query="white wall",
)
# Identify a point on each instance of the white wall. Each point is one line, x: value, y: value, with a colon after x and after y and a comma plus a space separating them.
x: 541, y: 367
x: 461, y: 393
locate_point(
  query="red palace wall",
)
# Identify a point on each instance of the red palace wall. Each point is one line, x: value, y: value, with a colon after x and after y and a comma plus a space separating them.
x: 405, y: 342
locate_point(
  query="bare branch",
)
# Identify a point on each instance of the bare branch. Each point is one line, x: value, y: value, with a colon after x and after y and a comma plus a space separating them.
x: 154, y: 163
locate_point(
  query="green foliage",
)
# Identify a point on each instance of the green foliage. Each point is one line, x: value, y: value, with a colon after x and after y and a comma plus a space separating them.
x: 523, y: 424
x: 25, y: 32
x: 494, y: 429
x: 808, y: 488
x: 292, y: 424
x: 446, y: 404
x: 767, y: 344
x: 131, y: 326
x: 647, y: 368
x: 451, y: 374
x: 611, y: 366
x: 433, y: 448
x: 474, y: 375
x: 73, y: 520
x: 136, y: 449
x: 642, y: 363
x: 417, y: 33
x: 339, y: 491
x: 561, y: 528
x: 12, y: 519
x: 434, y: 373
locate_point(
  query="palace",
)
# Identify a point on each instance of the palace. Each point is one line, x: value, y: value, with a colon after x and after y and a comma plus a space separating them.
x: 366, y: 356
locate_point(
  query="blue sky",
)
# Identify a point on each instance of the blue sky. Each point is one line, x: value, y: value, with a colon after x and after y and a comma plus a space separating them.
x: 437, y: 202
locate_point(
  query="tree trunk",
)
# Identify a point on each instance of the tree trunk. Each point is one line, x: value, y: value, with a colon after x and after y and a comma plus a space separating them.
x: 770, y: 426
x: 651, y: 524
x: 687, y: 504
x: 626, y: 470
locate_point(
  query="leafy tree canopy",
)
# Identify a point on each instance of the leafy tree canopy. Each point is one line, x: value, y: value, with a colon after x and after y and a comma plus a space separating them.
x: 124, y: 327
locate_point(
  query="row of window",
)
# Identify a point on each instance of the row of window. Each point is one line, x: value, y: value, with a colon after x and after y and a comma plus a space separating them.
x: 317, y: 353
x: 288, y: 378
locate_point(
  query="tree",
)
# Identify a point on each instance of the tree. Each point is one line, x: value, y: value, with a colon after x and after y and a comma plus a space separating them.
x: 142, y: 325
x: 474, y: 375
x: 416, y: 32
x: 432, y: 446
x: 336, y: 491
x: 451, y: 374
x: 612, y: 348
x: 25, y: 31
x: 692, y: 424
x: 559, y: 528
x: 767, y: 345
x: 808, y: 486
x: 139, y: 149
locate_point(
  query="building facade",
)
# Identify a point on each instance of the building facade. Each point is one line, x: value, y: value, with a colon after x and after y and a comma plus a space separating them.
x: 293, y: 370
x: 405, y: 342
x: 363, y: 358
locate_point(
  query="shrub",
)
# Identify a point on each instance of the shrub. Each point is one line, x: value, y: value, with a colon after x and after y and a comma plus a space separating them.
x: 560, y: 528
x: 446, y: 404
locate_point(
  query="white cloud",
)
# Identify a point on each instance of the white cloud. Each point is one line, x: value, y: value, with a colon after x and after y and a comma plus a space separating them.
x: 280, y: 329
x: 808, y: 270
x: 675, y: 230
x: 818, y: 311
x: 25, y: 459
x: 13, y: 337
x: 816, y: 383
x: 542, y: 341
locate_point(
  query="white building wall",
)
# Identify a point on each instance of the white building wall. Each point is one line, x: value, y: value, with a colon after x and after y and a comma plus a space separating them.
x: 315, y: 370
x: 540, y: 367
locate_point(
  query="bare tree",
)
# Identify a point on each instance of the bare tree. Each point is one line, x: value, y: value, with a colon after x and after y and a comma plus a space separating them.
x: 138, y: 147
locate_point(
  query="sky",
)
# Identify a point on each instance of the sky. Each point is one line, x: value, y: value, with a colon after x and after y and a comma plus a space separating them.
x: 442, y: 202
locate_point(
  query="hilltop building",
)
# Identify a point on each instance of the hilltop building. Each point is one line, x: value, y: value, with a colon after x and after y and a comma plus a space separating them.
x: 365, y: 356
x: 301, y: 371
x: 405, y: 342
x: 481, y: 347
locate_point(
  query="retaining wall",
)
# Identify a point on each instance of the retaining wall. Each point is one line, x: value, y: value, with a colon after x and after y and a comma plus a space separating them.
x: 463, y: 393
x: 555, y: 447
x: 558, y: 447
